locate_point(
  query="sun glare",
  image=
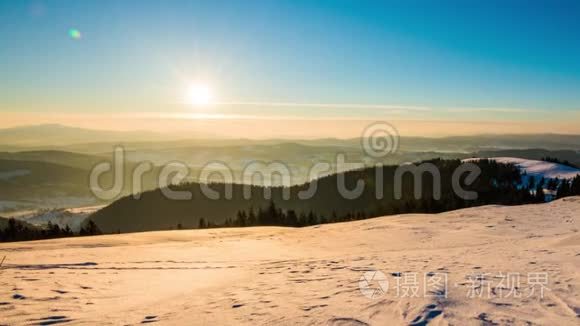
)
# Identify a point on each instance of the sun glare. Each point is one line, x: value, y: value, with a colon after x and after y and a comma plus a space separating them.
x: 199, y: 95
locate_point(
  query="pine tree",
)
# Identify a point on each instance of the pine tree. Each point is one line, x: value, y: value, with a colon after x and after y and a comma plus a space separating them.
x: 67, y: 231
x: 271, y: 214
x: 540, y: 197
x: 553, y: 184
x: 241, y: 219
x: 302, y: 220
x: 542, y: 182
x: 291, y: 218
x: 93, y: 229
x: 252, y: 217
x: 531, y: 183
x: 312, y: 219
x: 564, y: 189
x: 261, y: 217
x: 280, y: 217
x: 575, y: 186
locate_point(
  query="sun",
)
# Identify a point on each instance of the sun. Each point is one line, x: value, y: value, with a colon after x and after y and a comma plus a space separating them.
x: 199, y: 95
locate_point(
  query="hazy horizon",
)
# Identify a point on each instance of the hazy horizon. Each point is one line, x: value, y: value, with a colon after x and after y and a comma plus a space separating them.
x: 265, y: 128
x: 310, y: 129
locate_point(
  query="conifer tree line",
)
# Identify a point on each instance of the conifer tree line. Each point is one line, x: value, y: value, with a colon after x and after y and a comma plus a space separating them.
x: 274, y: 216
x: 569, y: 188
x: 556, y: 160
x: 18, y: 231
x: 498, y: 183
x: 506, y: 185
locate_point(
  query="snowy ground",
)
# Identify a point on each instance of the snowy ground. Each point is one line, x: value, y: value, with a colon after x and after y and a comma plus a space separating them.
x: 14, y: 208
x: 286, y: 276
x: 535, y: 171
x: 538, y: 169
x: 71, y: 217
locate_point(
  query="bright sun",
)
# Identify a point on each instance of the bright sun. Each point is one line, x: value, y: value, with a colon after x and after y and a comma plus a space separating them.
x: 199, y: 95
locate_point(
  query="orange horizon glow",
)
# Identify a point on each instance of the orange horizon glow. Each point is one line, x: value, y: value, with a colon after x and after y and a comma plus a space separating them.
x: 262, y: 127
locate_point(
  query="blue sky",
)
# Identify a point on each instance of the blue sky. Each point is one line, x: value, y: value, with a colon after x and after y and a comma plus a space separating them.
x: 477, y: 59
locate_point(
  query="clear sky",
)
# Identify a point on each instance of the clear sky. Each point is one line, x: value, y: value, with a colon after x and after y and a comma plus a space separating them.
x: 514, y: 62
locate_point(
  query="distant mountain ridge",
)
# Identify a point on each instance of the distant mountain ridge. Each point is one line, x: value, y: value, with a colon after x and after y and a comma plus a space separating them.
x: 55, y: 136
x: 59, y: 135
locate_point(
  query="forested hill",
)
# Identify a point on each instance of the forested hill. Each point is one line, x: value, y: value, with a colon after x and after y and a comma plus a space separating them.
x: 497, y: 184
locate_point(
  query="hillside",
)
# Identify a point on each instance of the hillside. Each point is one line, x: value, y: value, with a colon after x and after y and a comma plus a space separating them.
x: 314, y: 275
x: 537, y: 169
x: 154, y: 211
x: 55, y: 135
x: 30, y: 184
x: 537, y: 154
x: 55, y: 180
x: 75, y: 160
x: 63, y: 217
x: 541, y: 168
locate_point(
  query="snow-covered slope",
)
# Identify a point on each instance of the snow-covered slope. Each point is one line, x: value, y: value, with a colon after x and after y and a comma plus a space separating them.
x: 535, y: 171
x: 442, y: 269
x: 71, y: 217
x: 538, y: 169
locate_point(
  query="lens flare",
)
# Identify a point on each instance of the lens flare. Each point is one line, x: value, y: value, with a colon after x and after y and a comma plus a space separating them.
x: 74, y: 34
